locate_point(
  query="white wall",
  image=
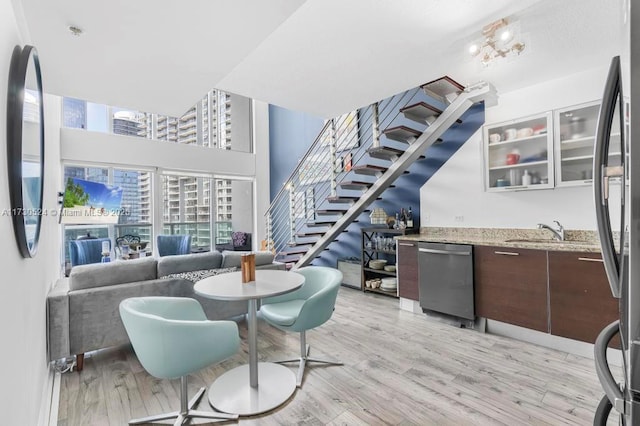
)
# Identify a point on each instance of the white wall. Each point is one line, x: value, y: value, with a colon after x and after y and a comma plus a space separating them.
x: 263, y: 177
x: 25, y: 282
x: 457, y: 189
x: 241, y: 129
x: 93, y: 147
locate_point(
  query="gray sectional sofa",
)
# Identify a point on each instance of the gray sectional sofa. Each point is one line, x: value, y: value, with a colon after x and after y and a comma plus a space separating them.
x: 82, y: 310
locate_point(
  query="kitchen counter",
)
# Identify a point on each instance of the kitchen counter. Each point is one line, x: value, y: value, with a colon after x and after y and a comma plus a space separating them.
x: 537, y: 239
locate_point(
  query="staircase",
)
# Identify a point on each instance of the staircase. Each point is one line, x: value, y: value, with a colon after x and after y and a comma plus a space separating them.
x: 352, y: 163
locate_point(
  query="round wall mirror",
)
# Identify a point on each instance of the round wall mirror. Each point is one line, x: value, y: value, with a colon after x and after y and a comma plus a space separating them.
x: 25, y: 147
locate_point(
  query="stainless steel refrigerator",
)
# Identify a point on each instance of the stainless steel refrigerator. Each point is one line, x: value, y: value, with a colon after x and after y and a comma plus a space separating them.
x: 617, y: 188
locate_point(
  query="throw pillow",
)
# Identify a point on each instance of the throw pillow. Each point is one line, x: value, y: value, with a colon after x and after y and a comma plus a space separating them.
x: 195, y: 276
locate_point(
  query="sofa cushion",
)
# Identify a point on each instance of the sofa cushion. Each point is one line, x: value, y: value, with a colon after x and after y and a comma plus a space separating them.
x: 231, y: 259
x: 106, y: 274
x: 188, y: 262
x: 195, y: 276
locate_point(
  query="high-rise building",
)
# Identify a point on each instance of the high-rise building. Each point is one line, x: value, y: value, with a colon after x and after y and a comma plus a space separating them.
x: 207, y: 123
x: 93, y: 174
x: 127, y: 122
x: 187, y: 199
x: 74, y: 113
x: 129, y: 181
x: 224, y: 215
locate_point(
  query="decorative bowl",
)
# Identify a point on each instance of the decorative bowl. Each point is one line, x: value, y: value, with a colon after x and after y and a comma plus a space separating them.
x: 377, y: 263
x: 390, y: 268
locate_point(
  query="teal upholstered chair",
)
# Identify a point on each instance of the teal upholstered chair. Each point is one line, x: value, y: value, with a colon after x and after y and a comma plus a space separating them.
x: 172, y: 338
x: 84, y: 252
x: 304, y: 309
x: 170, y: 245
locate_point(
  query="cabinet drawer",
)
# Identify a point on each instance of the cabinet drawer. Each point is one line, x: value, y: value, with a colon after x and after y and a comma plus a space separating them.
x: 580, y: 299
x: 408, y: 269
x: 511, y: 286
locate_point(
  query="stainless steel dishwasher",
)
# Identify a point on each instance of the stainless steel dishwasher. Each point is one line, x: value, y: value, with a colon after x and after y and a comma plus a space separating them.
x: 446, y: 279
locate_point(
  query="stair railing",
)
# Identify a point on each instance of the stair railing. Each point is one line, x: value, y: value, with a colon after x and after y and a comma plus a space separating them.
x: 319, y: 173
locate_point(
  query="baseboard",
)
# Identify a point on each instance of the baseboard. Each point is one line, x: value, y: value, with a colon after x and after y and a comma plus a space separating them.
x: 50, y: 398
x: 410, y: 305
x: 575, y: 347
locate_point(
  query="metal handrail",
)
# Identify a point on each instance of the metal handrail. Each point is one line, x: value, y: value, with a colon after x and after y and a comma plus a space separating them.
x: 312, y: 149
x: 281, y: 211
x: 304, y: 157
x: 321, y: 136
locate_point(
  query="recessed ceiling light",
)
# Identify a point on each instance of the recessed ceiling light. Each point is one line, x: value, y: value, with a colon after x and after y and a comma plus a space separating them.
x: 76, y: 31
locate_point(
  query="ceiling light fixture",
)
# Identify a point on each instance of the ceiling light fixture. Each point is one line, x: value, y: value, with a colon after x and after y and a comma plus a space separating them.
x: 76, y: 31
x: 499, y: 41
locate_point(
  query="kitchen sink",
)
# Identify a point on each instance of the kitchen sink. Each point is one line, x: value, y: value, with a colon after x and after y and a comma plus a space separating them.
x: 543, y: 240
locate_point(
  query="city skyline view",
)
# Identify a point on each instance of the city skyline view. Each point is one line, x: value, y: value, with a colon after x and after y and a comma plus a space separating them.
x: 187, y: 201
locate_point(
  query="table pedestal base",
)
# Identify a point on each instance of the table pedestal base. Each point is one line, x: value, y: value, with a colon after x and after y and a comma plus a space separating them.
x: 231, y: 392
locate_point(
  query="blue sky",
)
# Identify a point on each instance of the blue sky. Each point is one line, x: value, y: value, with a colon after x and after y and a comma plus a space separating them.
x: 97, y: 118
x: 101, y: 195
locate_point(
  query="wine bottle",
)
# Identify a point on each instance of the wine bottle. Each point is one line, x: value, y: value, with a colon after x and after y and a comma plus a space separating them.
x: 403, y: 219
x: 410, y: 218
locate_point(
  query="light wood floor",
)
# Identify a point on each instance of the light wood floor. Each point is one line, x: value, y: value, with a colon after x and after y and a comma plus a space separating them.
x: 400, y: 369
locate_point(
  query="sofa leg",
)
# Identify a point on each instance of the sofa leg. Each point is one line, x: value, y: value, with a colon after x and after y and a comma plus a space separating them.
x: 79, y: 362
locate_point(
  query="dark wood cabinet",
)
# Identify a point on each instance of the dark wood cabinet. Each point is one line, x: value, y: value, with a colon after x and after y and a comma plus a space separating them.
x: 563, y: 293
x: 580, y: 297
x: 511, y: 286
x: 408, y: 269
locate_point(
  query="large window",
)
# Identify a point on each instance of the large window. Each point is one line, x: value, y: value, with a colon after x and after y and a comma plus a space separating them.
x: 208, y: 208
x: 186, y: 208
x: 208, y: 123
x: 233, y: 207
x: 136, y: 217
x: 194, y: 205
x: 137, y: 214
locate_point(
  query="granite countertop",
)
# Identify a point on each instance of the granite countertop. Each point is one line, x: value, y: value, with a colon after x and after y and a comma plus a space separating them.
x: 537, y: 239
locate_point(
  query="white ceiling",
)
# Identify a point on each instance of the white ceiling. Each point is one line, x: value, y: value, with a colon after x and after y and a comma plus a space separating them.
x: 325, y: 57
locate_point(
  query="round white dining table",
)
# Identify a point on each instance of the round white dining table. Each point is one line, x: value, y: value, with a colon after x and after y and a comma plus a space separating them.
x: 256, y: 387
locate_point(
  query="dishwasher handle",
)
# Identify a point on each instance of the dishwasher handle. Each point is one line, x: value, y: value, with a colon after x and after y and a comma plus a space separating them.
x: 455, y: 253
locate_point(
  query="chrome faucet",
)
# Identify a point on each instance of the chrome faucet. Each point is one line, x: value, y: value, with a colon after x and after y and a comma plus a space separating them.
x: 558, y: 234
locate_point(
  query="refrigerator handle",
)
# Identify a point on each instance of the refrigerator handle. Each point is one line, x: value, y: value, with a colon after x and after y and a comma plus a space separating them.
x: 601, y: 178
x: 602, y: 412
x: 611, y: 388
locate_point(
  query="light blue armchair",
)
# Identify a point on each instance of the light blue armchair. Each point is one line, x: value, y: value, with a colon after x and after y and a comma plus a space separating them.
x: 173, y: 338
x: 304, y: 309
x: 170, y: 245
x: 83, y: 252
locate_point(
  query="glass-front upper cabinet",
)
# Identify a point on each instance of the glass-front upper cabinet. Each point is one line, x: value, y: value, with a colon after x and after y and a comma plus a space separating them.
x: 519, y: 154
x: 575, y: 129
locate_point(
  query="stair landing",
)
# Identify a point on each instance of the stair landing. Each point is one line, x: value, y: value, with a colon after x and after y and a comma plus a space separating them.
x: 442, y: 88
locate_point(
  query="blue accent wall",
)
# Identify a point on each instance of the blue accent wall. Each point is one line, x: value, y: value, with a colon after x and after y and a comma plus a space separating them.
x: 290, y: 135
x: 286, y: 126
x: 406, y: 190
